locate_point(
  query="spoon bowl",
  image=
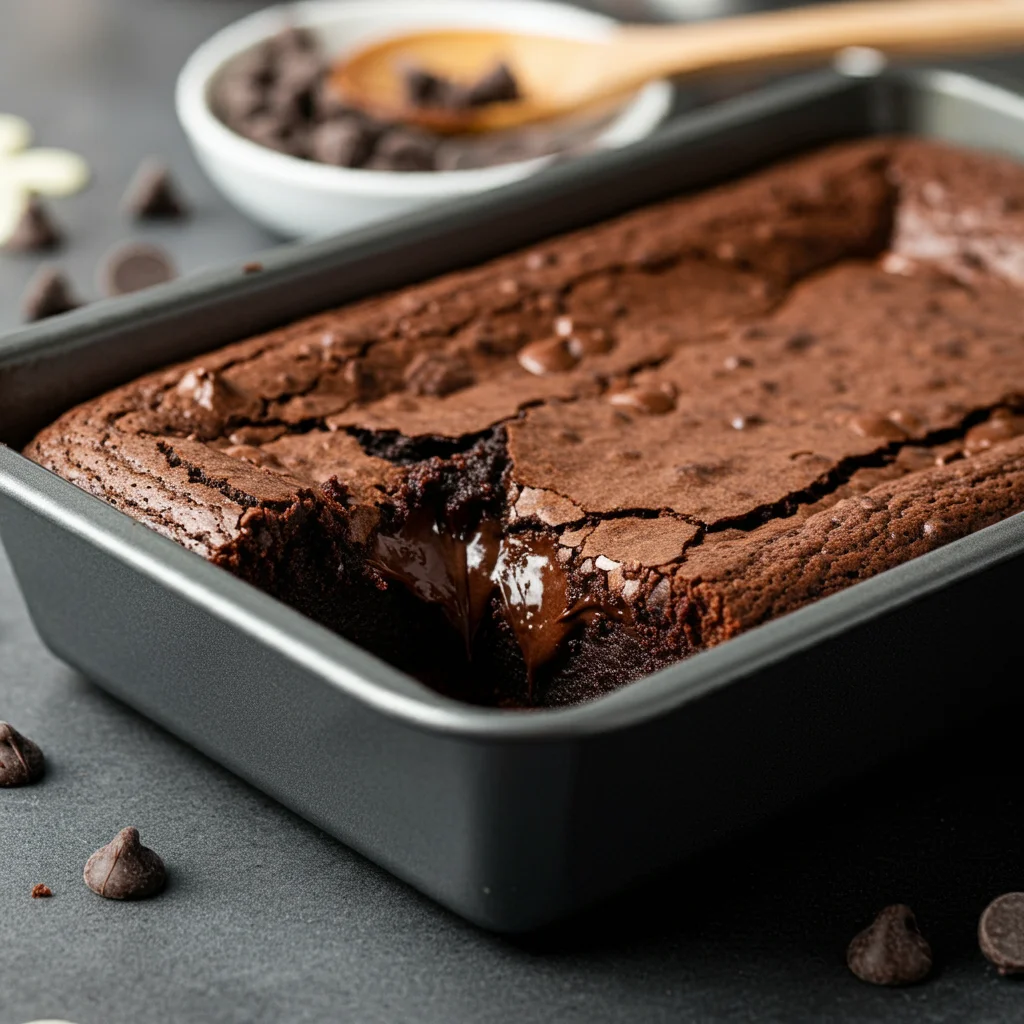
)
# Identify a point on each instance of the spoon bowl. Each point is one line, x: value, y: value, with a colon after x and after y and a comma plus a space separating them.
x: 372, y: 79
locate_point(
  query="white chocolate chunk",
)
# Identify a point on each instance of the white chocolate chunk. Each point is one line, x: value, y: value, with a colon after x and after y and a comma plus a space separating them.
x: 12, y: 203
x: 15, y: 134
x: 51, y: 172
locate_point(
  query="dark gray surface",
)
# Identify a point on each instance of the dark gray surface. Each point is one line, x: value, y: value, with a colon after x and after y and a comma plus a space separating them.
x: 266, y: 919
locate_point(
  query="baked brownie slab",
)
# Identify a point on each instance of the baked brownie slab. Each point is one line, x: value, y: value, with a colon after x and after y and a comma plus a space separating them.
x: 536, y: 480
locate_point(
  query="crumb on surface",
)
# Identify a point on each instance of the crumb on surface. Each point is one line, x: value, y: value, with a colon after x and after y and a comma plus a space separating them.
x: 41, y: 891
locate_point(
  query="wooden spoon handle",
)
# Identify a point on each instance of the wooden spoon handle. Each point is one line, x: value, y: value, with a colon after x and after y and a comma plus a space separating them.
x: 812, y: 34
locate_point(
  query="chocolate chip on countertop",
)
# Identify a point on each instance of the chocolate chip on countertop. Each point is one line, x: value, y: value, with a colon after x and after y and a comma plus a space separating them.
x: 891, y: 950
x: 41, y: 892
x: 47, y: 294
x: 21, y: 761
x: 1001, y: 933
x: 404, y: 149
x: 124, y: 869
x: 134, y: 266
x: 152, y: 195
x: 35, y: 231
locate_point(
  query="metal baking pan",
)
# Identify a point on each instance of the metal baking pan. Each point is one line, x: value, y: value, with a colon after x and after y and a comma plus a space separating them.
x: 511, y: 819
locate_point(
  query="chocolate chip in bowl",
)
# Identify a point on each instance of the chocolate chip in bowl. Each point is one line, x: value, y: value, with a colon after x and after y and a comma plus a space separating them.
x: 280, y: 95
x: 258, y: 92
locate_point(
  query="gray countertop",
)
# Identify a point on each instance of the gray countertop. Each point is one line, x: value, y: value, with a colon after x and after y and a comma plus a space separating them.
x: 268, y: 920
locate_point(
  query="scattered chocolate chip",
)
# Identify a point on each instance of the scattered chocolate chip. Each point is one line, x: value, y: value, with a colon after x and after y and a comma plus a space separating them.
x: 650, y: 401
x: 550, y: 355
x: 868, y: 425
x: 35, y: 231
x: 21, y: 761
x: 151, y: 195
x: 124, y: 869
x: 48, y: 294
x: 437, y: 374
x: 1001, y: 933
x: 41, y: 892
x: 498, y: 85
x: 252, y: 268
x: 891, y: 950
x: 135, y: 266
x: 343, y: 142
x: 404, y: 149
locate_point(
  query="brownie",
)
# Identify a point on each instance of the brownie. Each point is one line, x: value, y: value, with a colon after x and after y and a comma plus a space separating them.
x: 533, y: 481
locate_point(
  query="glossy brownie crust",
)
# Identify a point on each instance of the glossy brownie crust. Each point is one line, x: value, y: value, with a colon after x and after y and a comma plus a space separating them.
x: 534, y: 481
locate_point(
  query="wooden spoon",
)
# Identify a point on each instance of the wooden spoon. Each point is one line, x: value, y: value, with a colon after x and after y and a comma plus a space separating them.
x: 557, y: 76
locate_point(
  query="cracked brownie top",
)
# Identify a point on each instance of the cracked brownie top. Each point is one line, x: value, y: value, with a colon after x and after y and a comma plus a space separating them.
x: 619, y: 446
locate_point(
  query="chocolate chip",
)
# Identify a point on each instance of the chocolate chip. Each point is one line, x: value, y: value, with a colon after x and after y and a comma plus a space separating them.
x: 298, y: 77
x: 744, y: 422
x: 648, y: 400
x: 498, y: 85
x: 1000, y: 427
x: 423, y: 88
x: 151, y: 195
x: 801, y: 341
x: 868, y: 425
x: 1001, y: 933
x: 550, y: 355
x: 328, y: 103
x: 21, y: 761
x: 437, y: 374
x: 48, y: 294
x: 35, y: 231
x: 589, y: 341
x: 292, y: 39
x: 271, y: 131
x: 135, y: 266
x: 404, y: 149
x: 239, y: 97
x: 344, y: 142
x: 124, y: 869
x: 737, y: 362
x: 891, y: 950
x: 41, y: 892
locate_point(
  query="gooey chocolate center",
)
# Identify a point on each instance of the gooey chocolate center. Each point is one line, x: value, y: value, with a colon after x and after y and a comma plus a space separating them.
x: 461, y: 570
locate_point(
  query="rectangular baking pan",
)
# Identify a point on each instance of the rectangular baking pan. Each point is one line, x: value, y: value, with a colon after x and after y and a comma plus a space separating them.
x: 512, y: 819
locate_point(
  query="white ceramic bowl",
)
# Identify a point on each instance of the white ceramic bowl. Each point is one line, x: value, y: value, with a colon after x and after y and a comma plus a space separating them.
x: 300, y: 198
